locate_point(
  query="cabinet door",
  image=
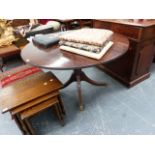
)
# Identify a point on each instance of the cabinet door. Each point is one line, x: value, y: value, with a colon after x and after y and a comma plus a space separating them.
x: 145, y: 58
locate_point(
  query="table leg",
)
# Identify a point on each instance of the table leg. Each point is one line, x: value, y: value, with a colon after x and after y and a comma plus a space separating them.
x: 83, y: 77
x: 18, y: 122
x: 2, y: 64
x: 63, y: 27
x: 29, y: 126
x: 77, y: 76
x: 71, y: 79
x: 58, y: 113
x: 86, y: 79
x: 24, y: 125
x: 61, y: 105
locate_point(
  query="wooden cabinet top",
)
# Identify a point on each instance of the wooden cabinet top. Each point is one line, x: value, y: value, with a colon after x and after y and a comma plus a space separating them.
x: 140, y: 23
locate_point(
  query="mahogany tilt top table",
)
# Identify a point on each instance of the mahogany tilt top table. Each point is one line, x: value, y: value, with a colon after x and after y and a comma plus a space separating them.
x: 55, y: 59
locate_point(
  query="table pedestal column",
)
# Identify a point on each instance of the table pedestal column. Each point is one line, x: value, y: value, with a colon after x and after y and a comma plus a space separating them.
x: 77, y: 76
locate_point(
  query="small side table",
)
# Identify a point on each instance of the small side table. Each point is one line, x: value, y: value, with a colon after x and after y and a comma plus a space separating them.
x: 6, y: 52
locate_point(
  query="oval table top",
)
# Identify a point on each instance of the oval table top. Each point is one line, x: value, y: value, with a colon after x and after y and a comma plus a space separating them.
x: 54, y: 58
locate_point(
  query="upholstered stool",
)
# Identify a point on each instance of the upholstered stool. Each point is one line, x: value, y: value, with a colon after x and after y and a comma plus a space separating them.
x: 26, y: 91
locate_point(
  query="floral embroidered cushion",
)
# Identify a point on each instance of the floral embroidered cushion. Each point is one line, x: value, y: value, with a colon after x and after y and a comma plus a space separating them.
x: 90, y: 36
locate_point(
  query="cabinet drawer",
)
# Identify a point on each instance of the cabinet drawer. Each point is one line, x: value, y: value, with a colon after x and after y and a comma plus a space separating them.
x: 128, y: 30
x: 101, y: 25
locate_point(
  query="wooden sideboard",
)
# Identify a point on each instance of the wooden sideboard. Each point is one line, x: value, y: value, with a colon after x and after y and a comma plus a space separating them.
x: 134, y: 66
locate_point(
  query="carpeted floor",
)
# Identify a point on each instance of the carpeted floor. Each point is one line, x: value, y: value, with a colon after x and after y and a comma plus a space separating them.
x: 108, y: 110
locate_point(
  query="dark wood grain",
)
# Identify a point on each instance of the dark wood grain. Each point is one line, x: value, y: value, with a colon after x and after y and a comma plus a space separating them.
x: 20, y: 22
x: 9, y: 50
x: 22, y: 117
x: 38, y: 108
x: 130, y: 22
x: 134, y: 66
x: 21, y: 93
x: 54, y: 58
x: 34, y: 102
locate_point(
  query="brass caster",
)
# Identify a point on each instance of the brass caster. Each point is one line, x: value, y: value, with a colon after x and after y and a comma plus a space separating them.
x: 81, y: 108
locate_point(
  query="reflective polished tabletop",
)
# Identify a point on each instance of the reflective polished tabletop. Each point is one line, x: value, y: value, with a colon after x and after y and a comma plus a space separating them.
x: 54, y: 58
